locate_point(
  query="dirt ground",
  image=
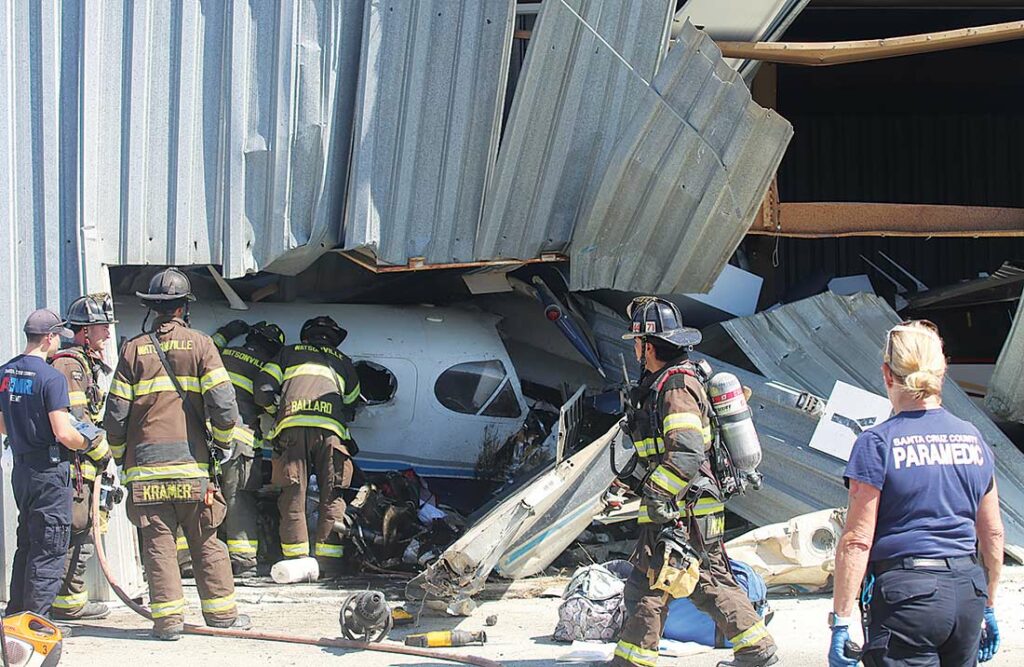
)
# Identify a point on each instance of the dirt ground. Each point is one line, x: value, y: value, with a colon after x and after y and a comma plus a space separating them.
x: 521, y: 637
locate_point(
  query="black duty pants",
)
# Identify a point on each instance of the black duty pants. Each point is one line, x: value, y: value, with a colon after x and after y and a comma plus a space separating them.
x: 925, y: 618
x: 43, y: 494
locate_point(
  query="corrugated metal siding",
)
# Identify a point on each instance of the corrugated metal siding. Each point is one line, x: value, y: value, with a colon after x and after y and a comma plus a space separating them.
x: 217, y: 132
x: 685, y: 180
x: 571, y: 104
x: 181, y: 133
x: 431, y: 90
x: 813, y: 343
x: 1005, y: 396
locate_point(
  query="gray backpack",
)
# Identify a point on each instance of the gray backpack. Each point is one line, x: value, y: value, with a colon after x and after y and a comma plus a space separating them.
x: 592, y: 606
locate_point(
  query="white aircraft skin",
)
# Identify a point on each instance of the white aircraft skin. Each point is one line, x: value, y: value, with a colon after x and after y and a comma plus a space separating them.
x: 417, y: 344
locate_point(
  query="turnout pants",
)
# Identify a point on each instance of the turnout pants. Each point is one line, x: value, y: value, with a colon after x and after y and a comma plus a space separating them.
x: 242, y: 477
x: 297, y: 451
x: 926, y: 617
x: 73, y: 596
x: 717, y: 594
x: 43, y: 494
x: 159, y: 524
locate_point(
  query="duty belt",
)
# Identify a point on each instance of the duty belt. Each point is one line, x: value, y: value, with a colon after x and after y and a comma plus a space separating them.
x: 911, y: 563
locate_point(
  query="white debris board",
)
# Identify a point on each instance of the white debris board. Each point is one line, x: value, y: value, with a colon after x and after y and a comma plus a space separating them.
x: 849, y: 411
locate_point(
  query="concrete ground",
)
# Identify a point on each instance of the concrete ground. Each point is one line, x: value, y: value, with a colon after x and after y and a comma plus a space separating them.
x: 520, y: 638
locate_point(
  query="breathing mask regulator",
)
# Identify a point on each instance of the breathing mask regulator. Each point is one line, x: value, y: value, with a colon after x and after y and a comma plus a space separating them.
x: 675, y: 566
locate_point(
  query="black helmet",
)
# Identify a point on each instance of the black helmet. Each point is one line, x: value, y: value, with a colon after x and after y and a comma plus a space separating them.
x: 265, y: 335
x: 91, y: 309
x: 167, y: 285
x: 323, y: 326
x: 658, y: 318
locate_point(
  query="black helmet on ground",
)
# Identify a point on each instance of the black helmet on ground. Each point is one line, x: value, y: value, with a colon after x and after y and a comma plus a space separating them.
x: 166, y: 288
x: 323, y: 327
x: 654, y: 317
x: 266, y: 336
x: 91, y: 309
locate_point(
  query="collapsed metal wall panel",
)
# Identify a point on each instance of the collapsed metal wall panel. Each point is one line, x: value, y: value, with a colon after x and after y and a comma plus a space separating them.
x: 813, y: 343
x: 685, y: 179
x: 1005, y: 396
x: 431, y: 92
x: 571, y: 103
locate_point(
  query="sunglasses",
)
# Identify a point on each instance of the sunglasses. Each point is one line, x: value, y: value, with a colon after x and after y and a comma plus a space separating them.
x: 908, y: 325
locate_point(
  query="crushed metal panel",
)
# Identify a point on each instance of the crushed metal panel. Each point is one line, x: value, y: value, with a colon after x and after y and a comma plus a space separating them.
x: 740, y: 21
x: 572, y: 101
x: 685, y: 180
x: 1005, y: 396
x: 814, y: 342
x: 429, y: 103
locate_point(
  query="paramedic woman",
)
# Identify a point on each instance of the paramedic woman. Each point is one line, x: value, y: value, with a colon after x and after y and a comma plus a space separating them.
x: 923, y: 503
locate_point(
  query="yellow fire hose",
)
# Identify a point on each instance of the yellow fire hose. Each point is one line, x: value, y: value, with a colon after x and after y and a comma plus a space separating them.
x: 325, y: 642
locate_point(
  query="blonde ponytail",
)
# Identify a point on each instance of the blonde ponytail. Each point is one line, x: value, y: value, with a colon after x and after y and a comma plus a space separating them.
x: 914, y: 354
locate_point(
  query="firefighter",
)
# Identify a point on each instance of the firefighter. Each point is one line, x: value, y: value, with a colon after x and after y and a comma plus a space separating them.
x: 311, y: 388
x: 243, y: 474
x: 681, y: 512
x: 89, y: 318
x: 168, y: 383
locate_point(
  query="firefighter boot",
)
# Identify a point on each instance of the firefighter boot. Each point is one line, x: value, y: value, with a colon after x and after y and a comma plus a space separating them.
x: 240, y: 622
x: 92, y: 611
x: 168, y: 634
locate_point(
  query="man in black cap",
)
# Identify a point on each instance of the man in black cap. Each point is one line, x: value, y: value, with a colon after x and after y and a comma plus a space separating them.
x: 34, y: 405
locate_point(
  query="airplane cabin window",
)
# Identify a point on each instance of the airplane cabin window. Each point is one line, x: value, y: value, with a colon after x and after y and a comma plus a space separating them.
x: 504, y: 404
x: 376, y: 383
x: 468, y: 387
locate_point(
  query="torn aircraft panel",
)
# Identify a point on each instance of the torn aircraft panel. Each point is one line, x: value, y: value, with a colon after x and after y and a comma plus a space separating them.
x: 799, y: 553
x: 813, y: 343
x: 527, y: 529
x: 685, y: 180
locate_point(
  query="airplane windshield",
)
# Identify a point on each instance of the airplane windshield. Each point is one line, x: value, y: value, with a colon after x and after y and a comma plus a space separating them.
x: 477, y: 387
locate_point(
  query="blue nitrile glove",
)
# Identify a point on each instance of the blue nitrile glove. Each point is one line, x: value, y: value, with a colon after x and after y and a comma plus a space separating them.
x: 989, y: 644
x: 836, y: 657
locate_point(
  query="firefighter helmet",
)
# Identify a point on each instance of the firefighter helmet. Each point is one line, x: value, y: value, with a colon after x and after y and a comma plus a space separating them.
x: 265, y: 335
x: 323, y: 326
x: 655, y: 317
x: 167, y: 285
x: 91, y: 309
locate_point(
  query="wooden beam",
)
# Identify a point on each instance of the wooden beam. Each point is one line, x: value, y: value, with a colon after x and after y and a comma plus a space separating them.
x: 820, y: 54
x: 838, y: 219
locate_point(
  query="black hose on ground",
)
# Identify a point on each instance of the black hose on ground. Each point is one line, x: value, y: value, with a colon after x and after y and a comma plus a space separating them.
x: 324, y: 642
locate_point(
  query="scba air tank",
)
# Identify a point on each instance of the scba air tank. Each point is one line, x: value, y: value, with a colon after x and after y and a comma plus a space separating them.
x: 736, y: 426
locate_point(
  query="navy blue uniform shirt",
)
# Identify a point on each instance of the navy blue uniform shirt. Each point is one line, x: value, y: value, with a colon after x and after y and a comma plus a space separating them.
x: 932, y: 469
x: 30, y: 389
